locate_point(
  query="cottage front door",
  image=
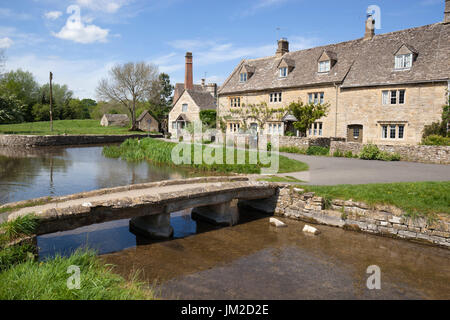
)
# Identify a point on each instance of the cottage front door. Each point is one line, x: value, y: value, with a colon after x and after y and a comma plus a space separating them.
x: 355, y: 133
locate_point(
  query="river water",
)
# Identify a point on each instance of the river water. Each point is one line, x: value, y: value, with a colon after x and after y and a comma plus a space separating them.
x: 249, y: 261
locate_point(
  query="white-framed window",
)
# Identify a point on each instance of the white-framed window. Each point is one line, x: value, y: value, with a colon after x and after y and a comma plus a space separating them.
x: 316, y: 129
x: 243, y: 77
x: 275, y: 97
x: 403, y: 61
x: 184, y: 108
x: 324, y: 66
x: 174, y: 125
x: 235, y: 102
x: 393, y: 96
x: 393, y: 131
x: 275, y: 128
x: 316, y: 98
x: 283, y: 72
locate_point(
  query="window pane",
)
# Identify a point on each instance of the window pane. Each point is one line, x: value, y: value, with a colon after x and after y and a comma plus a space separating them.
x: 401, y: 131
x: 384, y: 132
x: 279, y: 97
x: 392, y: 132
x: 310, y: 95
x: 393, y: 97
x: 316, y: 98
x: 385, y: 97
x: 401, y: 96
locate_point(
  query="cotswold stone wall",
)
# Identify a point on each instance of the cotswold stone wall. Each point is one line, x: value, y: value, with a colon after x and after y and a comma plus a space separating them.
x: 304, y: 143
x: 418, y: 153
x: 382, y: 220
x: 63, y: 140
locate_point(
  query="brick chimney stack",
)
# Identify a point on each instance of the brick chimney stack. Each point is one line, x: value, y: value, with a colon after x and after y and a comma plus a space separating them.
x: 283, y: 47
x: 447, y: 12
x: 189, y: 78
x: 370, y: 28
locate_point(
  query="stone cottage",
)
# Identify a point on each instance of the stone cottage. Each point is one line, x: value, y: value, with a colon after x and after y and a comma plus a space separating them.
x: 118, y: 120
x: 381, y: 88
x: 189, y: 100
x: 146, y: 122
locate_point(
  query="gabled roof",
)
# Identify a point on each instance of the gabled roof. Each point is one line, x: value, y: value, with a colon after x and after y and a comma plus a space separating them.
x: 328, y: 55
x: 115, y: 117
x: 361, y: 63
x: 204, y: 100
x: 143, y: 114
x: 406, y: 48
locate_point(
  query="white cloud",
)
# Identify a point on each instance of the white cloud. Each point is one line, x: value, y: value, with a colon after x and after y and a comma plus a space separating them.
x: 76, y: 30
x: 261, y: 4
x: 81, y: 75
x: 5, y: 43
x: 53, y: 15
x: 109, y: 6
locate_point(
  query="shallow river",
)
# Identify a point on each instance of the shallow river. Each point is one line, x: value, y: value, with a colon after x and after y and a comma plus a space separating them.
x: 249, y: 261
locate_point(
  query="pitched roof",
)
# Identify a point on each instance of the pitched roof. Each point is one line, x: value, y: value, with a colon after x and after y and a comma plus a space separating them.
x: 359, y: 62
x: 179, y: 89
x: 203, y: 99
x: 143, y: 114
x: 115, y: 117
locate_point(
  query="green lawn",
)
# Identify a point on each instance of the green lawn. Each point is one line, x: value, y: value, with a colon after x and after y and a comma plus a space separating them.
x: 160, y: 152
x: 415, y: 198
x: 22, y: 277
x: 280, y: 179
x: 63, y: 127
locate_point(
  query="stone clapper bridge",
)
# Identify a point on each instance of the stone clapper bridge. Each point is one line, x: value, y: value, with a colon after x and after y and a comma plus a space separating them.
x: 214, y: 199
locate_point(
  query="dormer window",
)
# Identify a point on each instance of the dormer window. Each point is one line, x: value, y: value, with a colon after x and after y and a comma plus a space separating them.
x: 403, y: 61
x: 243, y: 77
x: 405, y: 57
x: 283, y: 72
x: 324, y: 66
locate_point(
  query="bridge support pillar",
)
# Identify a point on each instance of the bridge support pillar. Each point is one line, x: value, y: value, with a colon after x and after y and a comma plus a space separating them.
x: 155, y: 226
x: 224, y: 214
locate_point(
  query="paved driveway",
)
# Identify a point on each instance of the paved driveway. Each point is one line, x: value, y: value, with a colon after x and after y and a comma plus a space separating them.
x: 331, y: 171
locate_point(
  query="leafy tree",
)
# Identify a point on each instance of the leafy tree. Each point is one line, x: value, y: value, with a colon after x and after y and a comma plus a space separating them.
x: 76, y: 109
x: 41, y: 112
x: 161, y: 99
x: 307, y: 114
x: 61, y: 98
x: 128, y: 84
x: 23, y: 86
x: 11, y: 109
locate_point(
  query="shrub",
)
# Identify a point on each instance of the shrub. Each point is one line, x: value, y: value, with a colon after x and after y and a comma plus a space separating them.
x: 369, y: 152
x: 293, y: 150
x: 435, y: 140
x: 338, y: 154
x: 208, y: 118
x: 350, y: 154
x: 387, y: 156
x: 269, y: 146
x: 318, y: 151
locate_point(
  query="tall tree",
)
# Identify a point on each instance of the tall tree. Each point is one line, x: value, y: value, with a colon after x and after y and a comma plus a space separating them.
x: 307, y: 114
x: 61, y: 98
x: 22, y: 85
x: 129, y: 84
x: 161, y: 99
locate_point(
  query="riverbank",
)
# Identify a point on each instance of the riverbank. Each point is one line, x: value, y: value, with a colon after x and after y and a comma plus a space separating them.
x: 62, y: 127
x: 23, y: 277
x: 160, y: 152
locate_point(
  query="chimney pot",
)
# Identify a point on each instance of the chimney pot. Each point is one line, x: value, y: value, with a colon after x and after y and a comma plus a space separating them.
x: 370, y: 28
x: 283, y: 47
x: 447, y: 11
x: 189, y: 78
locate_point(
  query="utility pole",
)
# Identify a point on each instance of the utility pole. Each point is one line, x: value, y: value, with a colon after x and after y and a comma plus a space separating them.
x: 51, y: 102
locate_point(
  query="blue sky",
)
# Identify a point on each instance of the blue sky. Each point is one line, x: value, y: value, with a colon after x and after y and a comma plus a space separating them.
x: 38, y: 36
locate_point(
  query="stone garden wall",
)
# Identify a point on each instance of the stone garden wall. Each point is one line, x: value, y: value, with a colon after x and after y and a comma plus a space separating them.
x: 63, y: 140
x: 417, y: 153
x: 382, y: 220
x: 304, y: 143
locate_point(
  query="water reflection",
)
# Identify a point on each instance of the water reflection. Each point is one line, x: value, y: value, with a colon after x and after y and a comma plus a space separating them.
x: 39, y: 172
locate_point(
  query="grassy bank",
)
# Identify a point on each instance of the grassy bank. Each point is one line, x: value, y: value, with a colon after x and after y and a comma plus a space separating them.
x: 24, y: 278
x: 415, y: 198
x: 160, y: 152
x: 63, y: 127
